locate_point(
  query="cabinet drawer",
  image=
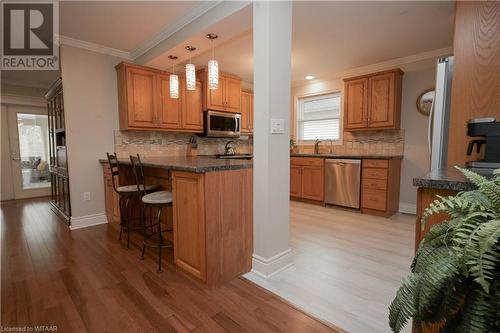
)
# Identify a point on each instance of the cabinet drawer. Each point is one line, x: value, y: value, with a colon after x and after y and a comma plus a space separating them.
x: 373, y: 199
x: 376, y: 163
x: 307, y: 161
x: 374, y: 184
x: 374, y: 173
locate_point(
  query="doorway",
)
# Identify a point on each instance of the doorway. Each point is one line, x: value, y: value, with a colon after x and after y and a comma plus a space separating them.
x: 27, y: 174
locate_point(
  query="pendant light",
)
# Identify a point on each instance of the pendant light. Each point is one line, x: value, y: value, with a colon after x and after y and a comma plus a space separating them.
x: 213, y: 65
x: 190, y: 71
x: 174, y: 79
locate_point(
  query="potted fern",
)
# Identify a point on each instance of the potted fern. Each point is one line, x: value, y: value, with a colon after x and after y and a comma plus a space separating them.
x: 455, y: 280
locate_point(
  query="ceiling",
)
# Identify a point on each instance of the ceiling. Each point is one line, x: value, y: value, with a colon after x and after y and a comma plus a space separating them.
x: 328, y: 37
x: 332, y: 37
x: 122, y: 25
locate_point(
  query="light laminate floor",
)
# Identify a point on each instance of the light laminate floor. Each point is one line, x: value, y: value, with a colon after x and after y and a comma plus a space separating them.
x: 347, y: 266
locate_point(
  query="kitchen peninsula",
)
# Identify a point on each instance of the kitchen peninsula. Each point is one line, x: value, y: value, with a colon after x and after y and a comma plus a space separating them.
x: 212, y: 211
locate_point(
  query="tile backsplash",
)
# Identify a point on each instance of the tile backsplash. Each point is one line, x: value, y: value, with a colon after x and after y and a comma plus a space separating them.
x: 387, y: 142
x: 148, y: 143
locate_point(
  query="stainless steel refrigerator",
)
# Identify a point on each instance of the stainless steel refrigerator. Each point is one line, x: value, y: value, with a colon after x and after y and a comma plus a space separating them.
x: 437, y: 136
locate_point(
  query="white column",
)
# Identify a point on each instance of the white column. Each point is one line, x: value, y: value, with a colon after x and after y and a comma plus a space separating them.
x: 272, y: 40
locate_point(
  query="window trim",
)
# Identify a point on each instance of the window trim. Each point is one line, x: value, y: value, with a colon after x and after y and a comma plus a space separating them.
x: 298, y: 98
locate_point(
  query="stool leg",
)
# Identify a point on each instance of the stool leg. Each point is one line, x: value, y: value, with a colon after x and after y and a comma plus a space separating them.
x: 143, y: 221
x: 128, y: 222
x: 120, y: 206
x: 160, y: 238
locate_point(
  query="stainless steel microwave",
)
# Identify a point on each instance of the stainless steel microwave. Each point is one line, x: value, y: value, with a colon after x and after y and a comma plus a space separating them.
x: 222, y: 124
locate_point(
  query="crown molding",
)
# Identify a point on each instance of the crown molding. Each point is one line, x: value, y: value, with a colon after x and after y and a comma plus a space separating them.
x: 64, y: 40
x: 389, y: 64
x: 24, y: 84
x: 23, y: 100
x: 168, y: 30
x: 384, y: 65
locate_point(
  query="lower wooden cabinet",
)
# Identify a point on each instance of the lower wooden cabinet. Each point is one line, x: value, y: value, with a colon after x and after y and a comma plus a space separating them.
x: 213, y: 223
x: 307, y: 178
x: 380, y: 186
x: 111, y: 198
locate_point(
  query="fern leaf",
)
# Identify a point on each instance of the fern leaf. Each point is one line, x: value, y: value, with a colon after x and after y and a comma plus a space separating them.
x: 402, y: 307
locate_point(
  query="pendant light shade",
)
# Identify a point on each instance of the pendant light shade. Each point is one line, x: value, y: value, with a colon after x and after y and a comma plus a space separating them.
x: 174, y: 86
x: 213, y: 74
x: 190, y: 77
x: 213, y: 66
x: 173, y: 79
x: 190, y: 71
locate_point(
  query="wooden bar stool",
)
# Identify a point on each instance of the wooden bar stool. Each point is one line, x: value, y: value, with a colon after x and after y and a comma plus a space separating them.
x: 125, y: 193
x: 158, y: 200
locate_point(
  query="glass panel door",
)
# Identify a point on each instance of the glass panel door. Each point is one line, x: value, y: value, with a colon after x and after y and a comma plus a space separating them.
x: 33, y: 134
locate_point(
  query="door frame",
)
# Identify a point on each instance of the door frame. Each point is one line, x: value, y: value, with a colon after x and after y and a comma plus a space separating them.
x: 12, y: 105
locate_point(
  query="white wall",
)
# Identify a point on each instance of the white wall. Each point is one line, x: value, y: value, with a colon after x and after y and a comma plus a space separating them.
x: 91, y: 111
x: 416, y: 155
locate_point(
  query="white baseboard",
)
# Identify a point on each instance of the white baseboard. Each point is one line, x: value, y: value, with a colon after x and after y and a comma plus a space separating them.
x: 271, y: 266
x: 88, y: 221
x: 407, y: 208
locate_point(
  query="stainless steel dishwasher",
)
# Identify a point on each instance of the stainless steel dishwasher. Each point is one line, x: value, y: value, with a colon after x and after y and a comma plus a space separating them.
x: 342, y: 182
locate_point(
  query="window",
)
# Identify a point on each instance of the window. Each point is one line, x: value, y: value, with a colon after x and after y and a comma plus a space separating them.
x: 319, y: 117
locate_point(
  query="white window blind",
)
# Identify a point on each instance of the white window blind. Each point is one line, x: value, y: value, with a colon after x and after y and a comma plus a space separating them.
x: 319, y: 117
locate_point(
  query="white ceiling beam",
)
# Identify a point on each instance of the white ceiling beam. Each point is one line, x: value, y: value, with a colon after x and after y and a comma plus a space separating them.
x: 178, y: 33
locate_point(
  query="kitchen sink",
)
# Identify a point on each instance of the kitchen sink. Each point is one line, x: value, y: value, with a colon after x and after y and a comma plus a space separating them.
x: 236, y: 157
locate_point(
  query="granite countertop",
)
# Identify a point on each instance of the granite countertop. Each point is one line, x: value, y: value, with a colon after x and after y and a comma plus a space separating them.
x: 328, y: 155
x: 444, y: 179
x: 198, y: 164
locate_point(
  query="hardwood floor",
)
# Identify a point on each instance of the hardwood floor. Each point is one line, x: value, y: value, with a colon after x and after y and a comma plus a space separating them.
x: 86, y: 281
x: 347, y: 266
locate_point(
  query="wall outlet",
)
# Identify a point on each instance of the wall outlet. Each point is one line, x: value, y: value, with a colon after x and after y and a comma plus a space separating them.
x: 86, y: 196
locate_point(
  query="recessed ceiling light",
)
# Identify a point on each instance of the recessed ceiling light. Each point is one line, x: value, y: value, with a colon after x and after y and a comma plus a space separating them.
x: 309, y: 77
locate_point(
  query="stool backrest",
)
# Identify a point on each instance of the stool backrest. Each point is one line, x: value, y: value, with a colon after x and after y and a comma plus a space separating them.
x: 139, y: 174
x: 113, y: 166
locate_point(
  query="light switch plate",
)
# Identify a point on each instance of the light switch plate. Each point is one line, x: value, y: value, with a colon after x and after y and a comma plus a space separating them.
x: 277, y: 126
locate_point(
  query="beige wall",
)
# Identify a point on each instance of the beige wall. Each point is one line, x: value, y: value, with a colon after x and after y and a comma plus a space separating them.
x: 416, y: 155
x: 91, y: 110
x: 417, y: 78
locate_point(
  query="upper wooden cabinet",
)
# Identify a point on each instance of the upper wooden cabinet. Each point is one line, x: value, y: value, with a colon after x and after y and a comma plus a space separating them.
x: 246, y: 112
x: 373, y: 101
x: 227, y: 98
x: 144, y: 101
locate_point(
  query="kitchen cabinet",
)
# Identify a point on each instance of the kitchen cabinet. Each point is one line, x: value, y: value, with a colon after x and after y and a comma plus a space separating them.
x: 246, y: 112
x: 307, y: 178
x: 192, y: 114
x: 373, y: 101
x: 226, y: 98
x: 380, y: 186
x: 111, y: 198
x: 144, y: 101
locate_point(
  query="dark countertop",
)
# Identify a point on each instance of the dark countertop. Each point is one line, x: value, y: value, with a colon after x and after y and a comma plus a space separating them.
x: 200, y: 164
x: 327, y: 155
x: 444, y: 179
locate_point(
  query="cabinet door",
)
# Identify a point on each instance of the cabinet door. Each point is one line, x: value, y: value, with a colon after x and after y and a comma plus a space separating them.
x: 250, y: 115
x: 141, y: 98
x: 169, y: 109
x: 245, y: 112
x: 189, y: 222
x: 232, y: 94
x: 356, y: 104
x: 313, y: 183
x: 215, y: 97
x: 192, y: 109
x: 295, y: 181
x: 381, y: 107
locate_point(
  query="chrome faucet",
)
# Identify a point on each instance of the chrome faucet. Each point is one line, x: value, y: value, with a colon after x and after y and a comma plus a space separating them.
x: 316, y: 146
x: 230, y: 148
